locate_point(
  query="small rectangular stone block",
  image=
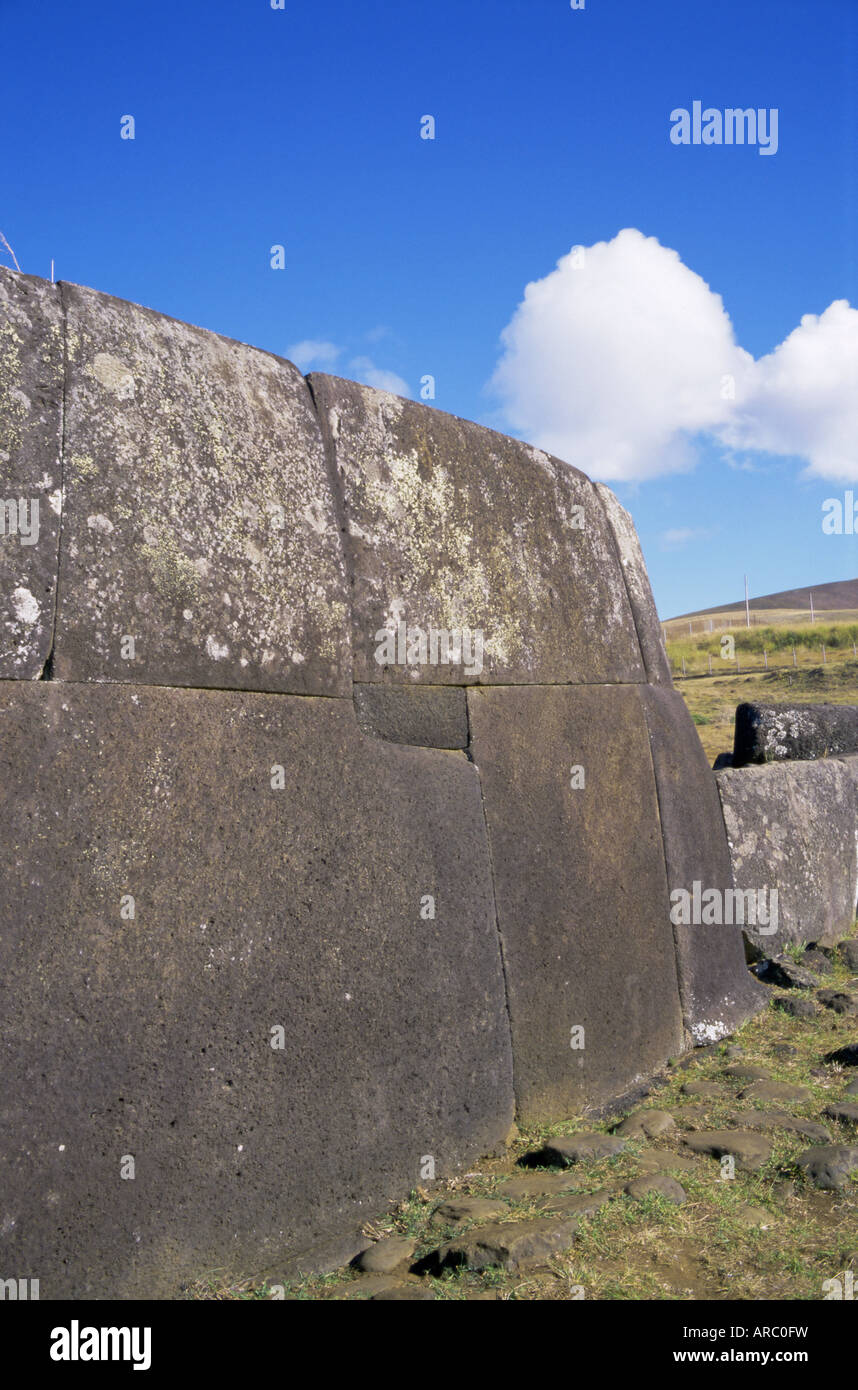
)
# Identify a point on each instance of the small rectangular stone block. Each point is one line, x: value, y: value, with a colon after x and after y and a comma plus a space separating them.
x: 276, y: 1030
x: 31, y: 395
x: 451, y: 528
x: 200, y: 545
x: 581, y: 891
x: 432, y: 716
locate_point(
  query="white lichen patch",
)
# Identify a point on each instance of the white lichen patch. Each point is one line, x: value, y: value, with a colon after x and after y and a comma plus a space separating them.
x: 113, y: 375
x: 25, y: 607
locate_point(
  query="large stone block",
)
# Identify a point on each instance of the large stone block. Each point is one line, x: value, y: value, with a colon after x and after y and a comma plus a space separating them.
x: 257, y: 907
x: 792, y: 826
x: 451, y: 527
x: 718, y: 993
x: 31, y: 395
x: 581, y: 891
x: 774, y: 733
x: 199, y: 517
x: 642, y: 602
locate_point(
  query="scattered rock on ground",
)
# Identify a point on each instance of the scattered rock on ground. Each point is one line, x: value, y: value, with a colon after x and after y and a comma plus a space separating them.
x: 692, y: 1115
x: 817, y: 961
x: 510, y: 1244
x: 656, y: 1160
x: 828, y: 946
x: 844, y: 1112
x: 849, y: 954
x: 394, y: 1252
x: 830, y: 1165
x: 662, y: 1184
x: 646, y: 1124
x: 744, y: 1072
x: 852, y: 1088
x: 768, y: 1120
x: 780, y: 970
x: 704, y: 1090
x: 796, y: 1005
x: 776, y: 1091
x: 578, y: 1148
x: 837, y: 1000
x: 750, y: 1150
x: 455, y: 1213
x: 783, y: 1049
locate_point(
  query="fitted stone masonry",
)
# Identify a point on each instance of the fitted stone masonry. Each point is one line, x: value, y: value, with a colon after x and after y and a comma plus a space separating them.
x: 292, y: 928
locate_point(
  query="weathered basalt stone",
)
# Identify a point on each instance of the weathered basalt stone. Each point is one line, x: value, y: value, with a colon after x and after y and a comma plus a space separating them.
x: 270, y: 1029
x: 31, y: 395
x: 716, y: 990
x: 586, y: 932
x: 510, y: 1245
x: 433, y: 717
x: 830, y: 1166
x: 642, y: 603
x: 199, y: 516
x: 791, y: 827
x: 451, y: 527
x: 586, y: 1147
x: 773, y: 733
x: 749, y: 1150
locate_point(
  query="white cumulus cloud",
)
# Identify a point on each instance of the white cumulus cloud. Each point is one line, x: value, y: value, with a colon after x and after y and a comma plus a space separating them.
x: 622, y: 354
x: 365, y: 370
x: 803, y: 397
x: 312, y: 352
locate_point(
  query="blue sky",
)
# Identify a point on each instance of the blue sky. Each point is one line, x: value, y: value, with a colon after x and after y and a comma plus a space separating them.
x: 301, y: 127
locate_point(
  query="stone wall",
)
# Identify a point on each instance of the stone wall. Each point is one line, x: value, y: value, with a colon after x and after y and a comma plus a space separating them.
x: 793, y: 827
x: 342, y: 792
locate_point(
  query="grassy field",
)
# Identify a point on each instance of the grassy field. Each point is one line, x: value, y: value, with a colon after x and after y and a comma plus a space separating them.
x: 796, y: 672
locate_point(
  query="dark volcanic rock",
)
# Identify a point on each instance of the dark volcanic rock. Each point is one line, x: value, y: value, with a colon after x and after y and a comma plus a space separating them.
x: 536, y: 569
x: 771, y: 733
x: 659, y: 1184
x: 645, y: 1124
x: 830, y: 1165
x: 783, y: 972
x: 199, y: 518
x: 844, y: 1112
x: 749, y: 1149
x: 243, y: 920
x: 796, y: 1005
x: 582, y: 950
x: 578, y: 1148
x: 768, y: 1120
x: 31, y: 394
x: 509, y: 1244
x: 717, y: 992
x: 838, y: 1001
x: 788, y: 825
x: 431, y: 716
